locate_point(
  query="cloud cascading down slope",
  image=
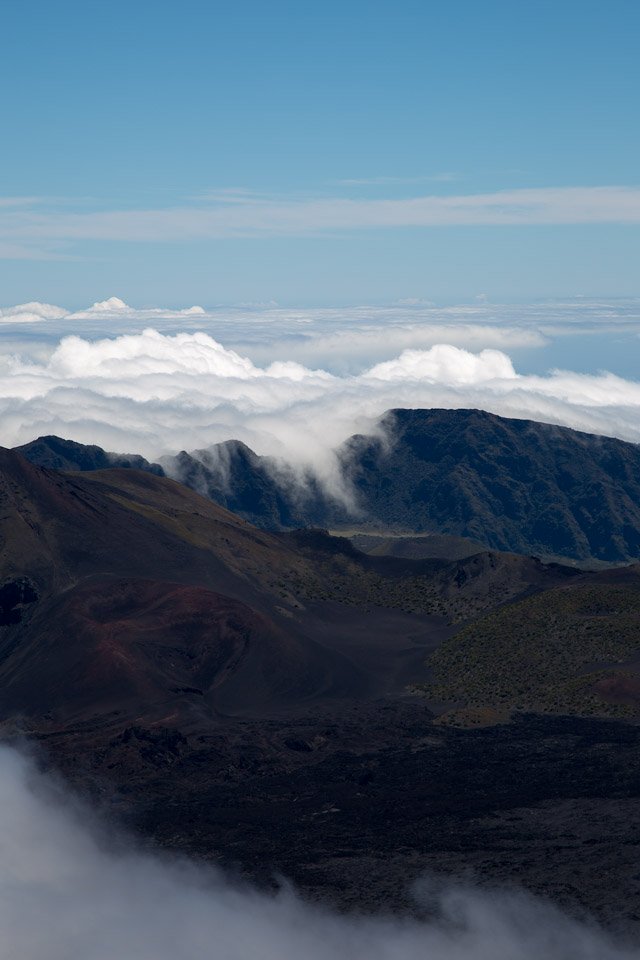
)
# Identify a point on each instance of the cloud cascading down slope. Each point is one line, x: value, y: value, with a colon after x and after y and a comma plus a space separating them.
x: 70, y: 889
x: 156, y: 393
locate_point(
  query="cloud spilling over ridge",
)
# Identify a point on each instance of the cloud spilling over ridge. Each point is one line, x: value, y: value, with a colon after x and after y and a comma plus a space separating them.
x: 68, y: 889
x: 153, y: 393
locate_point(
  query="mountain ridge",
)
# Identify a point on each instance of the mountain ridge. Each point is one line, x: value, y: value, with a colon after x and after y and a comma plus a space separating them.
x: 507, y: 484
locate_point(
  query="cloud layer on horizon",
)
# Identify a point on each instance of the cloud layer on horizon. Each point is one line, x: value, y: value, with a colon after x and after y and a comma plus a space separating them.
x: 154, y: 393
x: 342, y: 340
x: 69, y: 888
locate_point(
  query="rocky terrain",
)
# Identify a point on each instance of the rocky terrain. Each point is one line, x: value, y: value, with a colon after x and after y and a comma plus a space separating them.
x: 286, y: 705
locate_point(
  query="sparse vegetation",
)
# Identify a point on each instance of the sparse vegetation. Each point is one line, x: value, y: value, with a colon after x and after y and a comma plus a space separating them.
x: 346, y: 581
x: 561, y: 651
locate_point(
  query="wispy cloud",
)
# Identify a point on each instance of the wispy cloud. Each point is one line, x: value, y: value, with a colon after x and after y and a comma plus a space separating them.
x: 237, y: 214
x: 71, y: 888
x: 30, y: 251
x: 19, y: 201
x: 384, y: 181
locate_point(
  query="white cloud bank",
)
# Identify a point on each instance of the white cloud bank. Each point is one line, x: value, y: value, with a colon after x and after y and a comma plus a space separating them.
x: 33, y: 312
x: 153, y: 394
x: 68, y: 889
x: 342, y: 340
x: 113, y: 309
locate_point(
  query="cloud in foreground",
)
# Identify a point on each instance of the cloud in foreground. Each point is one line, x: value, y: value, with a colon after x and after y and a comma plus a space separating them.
x: 154, y: 393
x: 69, y: 889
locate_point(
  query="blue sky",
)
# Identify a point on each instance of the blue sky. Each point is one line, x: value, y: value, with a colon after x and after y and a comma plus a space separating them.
x: 215, y: 153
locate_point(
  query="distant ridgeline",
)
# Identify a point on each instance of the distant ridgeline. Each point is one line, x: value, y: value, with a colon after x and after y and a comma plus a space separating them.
x: 514, y: 485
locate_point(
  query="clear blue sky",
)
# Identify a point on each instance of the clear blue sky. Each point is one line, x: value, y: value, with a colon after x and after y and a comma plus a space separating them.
x: 125, y: 126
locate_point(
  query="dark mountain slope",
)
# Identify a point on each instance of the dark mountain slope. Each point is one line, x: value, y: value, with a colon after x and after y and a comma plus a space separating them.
x: 112, y: 649
x: 124, y: 594
x: 59, y: 454
x: 263, y: 490
x: 58, y: 528
x: 513, y: 485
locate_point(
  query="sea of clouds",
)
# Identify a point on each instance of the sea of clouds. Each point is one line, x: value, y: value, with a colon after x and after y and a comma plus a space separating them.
x: 290, y: 384
x: 71, y: 888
